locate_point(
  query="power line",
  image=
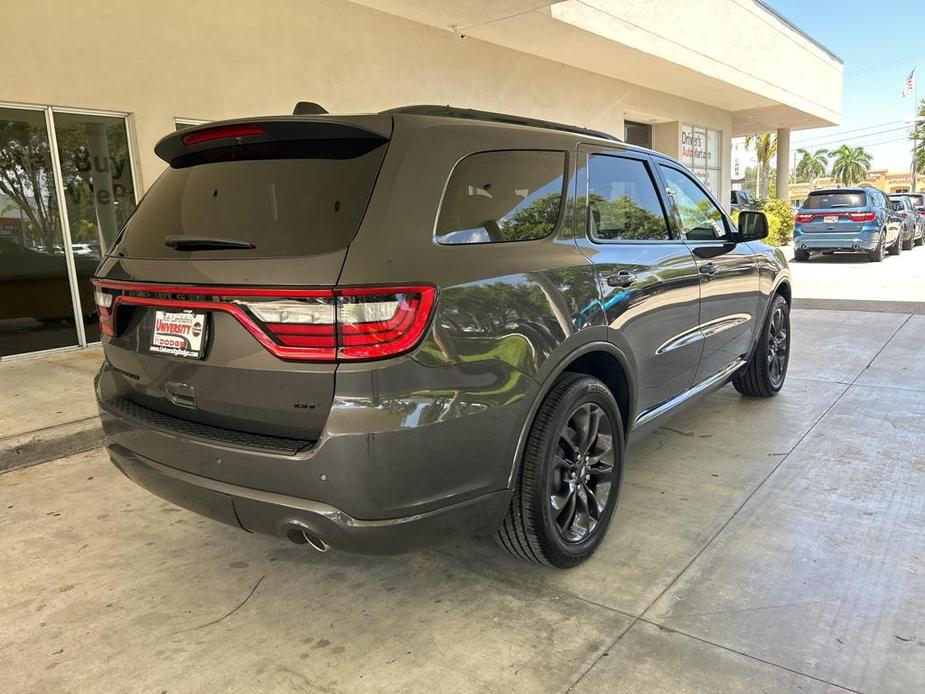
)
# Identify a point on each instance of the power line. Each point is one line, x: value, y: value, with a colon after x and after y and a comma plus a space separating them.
x: 844, y: 138
x: 854, y: 130
x: 880, y: 66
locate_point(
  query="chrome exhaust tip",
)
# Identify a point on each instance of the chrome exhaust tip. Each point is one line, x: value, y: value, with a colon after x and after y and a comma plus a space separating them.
x: 314, y: 542
x: 300, y: 535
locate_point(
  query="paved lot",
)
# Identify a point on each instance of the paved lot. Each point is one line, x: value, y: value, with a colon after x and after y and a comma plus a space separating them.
x: 761, y: 546
x: 849, y: 276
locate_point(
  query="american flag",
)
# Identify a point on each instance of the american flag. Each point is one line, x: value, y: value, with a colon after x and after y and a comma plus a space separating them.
x: 909, y: 84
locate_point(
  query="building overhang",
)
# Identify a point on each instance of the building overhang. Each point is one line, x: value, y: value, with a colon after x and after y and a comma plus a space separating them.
x: 735, y: 55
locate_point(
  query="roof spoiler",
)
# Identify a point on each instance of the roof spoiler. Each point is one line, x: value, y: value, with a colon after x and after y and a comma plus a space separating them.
x: 182, y: 148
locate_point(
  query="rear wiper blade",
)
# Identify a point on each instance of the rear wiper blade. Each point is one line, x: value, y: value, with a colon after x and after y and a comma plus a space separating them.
x: 179, y: 242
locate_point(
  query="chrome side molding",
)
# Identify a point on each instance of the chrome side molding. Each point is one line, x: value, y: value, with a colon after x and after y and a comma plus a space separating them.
x: 704, y: 330
x: 719, y: 377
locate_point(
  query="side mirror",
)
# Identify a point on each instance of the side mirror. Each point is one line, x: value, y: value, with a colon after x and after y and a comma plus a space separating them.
x: 753, y: 226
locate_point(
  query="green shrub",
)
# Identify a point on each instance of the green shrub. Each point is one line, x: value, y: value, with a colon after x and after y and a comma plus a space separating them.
x: 780, y: 221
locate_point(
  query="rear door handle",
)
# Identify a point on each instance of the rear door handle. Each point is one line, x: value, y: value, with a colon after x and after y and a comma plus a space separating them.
x: 708, y: 269
x: 622, y: 279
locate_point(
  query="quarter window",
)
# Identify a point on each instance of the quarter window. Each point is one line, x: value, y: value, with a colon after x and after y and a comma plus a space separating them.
x: 502, y: 196
x: 622, y: 201
x: 700, y: 218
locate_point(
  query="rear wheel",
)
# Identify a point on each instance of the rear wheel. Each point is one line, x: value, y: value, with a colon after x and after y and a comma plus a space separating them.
x: 907, y: 245
x: 920, y: 240
x: 764, y: 374
x: 570, y: 476
x: 897, y: 247
x: 801, y: 256
x: 876, y: 255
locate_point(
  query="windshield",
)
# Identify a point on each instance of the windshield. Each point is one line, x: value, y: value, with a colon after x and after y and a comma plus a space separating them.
x: 824, y: 201
x: 268, y: 207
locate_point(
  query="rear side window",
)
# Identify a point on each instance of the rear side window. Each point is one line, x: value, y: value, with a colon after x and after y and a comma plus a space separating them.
x: 502, y: 196
x: 282, y: 207
x: 824, y: 201
x: 622, y: 202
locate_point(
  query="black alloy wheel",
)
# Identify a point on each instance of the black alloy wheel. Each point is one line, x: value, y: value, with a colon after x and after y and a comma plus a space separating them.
x: 580, y: 485
x: 570, y: 475
x: 766, y: 370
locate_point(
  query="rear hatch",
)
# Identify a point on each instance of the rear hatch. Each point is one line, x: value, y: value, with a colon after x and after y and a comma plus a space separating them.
x: 217, y: 297
x: 835, y: 211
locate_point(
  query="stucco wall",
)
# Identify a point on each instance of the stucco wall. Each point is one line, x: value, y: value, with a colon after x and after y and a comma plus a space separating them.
x: 210, y: 60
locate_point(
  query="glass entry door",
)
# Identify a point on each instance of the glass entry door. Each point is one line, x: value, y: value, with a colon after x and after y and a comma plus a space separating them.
x: 66, y: 188
x: 36, y: 307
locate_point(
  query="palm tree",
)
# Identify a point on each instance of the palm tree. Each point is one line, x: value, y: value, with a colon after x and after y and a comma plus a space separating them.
x: 765, y: 148
x: 918, y: 136
x: 812, y: 165
x: 850, y: 165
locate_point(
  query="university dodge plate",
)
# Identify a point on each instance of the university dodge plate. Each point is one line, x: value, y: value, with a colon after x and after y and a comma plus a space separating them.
x: 830, y: 218
x: 179, y: 334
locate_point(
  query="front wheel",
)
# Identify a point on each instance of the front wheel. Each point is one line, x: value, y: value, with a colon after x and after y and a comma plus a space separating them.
x: 570, y: 476
x: 907, y: 245
x: 800, y: 256
x: 897, y: 247
x: 765, y: 372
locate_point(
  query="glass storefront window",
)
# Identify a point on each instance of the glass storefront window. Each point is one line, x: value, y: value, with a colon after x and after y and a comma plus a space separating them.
x: 701, y: 152
x: 99, y: 193
x: 36, y: 311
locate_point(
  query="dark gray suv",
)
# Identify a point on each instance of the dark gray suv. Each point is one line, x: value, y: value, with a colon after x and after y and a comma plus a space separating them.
x: 369, y: 332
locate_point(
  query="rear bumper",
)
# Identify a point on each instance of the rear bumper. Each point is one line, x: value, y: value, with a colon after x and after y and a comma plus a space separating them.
x: 287, y: 517
x: 861, y: 241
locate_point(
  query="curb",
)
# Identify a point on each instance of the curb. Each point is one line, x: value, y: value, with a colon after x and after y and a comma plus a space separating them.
x: 34, y: 447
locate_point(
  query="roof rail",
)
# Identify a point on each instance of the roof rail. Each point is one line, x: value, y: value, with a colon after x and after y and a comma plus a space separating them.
x: 473, y: 114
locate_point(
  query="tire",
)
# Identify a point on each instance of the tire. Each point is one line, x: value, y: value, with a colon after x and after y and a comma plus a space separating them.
x: 800, y: 256
x: 876, y: 255
x: 534, y: 529
x: 759, y: 378
x: 897, y: 247
x: 920, y: 240
x: 907, y: 245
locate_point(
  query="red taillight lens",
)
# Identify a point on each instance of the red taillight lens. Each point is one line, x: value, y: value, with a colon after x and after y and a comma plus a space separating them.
x: 862, y: 216
x: 223, y: 132
x: 804, y: 217
x: 103, y: 300
x: 347, y: 324
x: 375, y: 323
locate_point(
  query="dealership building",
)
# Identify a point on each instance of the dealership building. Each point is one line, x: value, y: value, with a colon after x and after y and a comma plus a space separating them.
x: 88, y: 88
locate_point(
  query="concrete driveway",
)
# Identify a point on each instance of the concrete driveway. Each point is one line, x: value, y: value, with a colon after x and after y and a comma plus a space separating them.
x: 760, y: 546
x: 849, y: 276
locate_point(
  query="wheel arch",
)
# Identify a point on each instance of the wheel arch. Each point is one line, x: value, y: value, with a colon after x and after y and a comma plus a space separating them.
x: 604, y: 361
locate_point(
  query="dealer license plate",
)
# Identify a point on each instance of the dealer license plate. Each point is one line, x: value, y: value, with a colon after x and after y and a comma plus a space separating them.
x: 178, y: 334
x: 830, y: 219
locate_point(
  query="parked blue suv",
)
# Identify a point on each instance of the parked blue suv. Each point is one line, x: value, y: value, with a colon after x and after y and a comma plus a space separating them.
x: 852, y: 220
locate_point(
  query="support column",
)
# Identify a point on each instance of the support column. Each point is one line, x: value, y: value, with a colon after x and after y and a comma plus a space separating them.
x: 783, y: 163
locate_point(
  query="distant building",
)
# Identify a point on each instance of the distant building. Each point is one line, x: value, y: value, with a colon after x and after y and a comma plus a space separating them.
x: 887, y: 181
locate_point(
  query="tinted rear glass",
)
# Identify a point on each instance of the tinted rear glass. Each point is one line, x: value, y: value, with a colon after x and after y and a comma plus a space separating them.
x: 502, y: 196
x: 822, y: 201
x: 283, y: 206
x: 917, y: 200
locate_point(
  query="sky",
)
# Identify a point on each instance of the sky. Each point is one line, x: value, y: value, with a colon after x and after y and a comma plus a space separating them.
x: 880, y: 43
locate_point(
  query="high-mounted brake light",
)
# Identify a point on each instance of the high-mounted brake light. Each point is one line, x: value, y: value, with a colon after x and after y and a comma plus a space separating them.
x: 223, y: 132
x: 344, y: 324
x: 862, y: 216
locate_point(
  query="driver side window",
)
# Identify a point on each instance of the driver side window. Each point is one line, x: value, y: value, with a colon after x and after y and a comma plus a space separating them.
x: 700, y: 219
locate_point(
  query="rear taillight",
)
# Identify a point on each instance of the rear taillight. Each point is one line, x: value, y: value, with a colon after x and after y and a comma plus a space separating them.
x: 803, y: 217
x: 862, y: 216
x: 344, y: 324
x: 223, y: 132
x: 103, y: 300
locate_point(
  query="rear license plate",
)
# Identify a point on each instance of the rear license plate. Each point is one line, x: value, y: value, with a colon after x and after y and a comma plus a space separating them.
x: 178, y: 334
x: 830, y: 219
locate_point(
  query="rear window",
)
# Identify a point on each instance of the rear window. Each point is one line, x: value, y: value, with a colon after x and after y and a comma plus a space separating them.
x: 283, y: 207
x: 502, y: 196
x: 824, y: 201
x: 917, y: 199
